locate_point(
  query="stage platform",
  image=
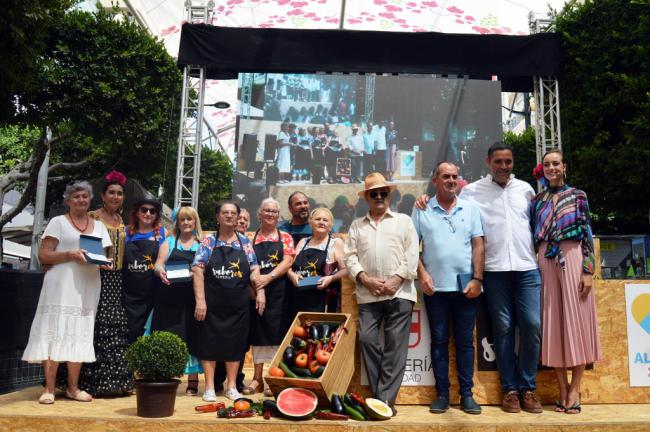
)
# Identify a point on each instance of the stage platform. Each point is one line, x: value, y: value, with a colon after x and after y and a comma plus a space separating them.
x: 19, y: 411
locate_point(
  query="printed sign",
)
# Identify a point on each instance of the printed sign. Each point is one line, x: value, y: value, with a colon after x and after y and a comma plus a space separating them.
x: 637, y: 300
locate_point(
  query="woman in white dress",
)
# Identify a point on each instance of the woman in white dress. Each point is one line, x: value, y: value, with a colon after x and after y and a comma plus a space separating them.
x: 284, y: 153
x: 62, y: 330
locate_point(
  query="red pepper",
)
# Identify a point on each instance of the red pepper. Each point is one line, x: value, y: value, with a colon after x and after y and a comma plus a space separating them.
x: 212, y: 407
x: 322, y: 415
x: 267, y: 414
x: 241, y: 414
x: 358, y: 399
x: 311, y: 349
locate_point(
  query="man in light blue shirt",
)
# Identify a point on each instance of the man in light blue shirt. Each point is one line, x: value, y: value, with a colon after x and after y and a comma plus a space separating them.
x: 450, y: 273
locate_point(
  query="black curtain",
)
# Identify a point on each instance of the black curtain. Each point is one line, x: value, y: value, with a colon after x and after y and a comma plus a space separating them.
x: 227, y: 51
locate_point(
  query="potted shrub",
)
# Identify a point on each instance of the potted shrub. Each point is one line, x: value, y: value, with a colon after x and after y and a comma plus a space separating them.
x: 156, y: 360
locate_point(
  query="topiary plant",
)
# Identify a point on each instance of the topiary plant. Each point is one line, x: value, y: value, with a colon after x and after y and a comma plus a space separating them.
x: 159, y: 356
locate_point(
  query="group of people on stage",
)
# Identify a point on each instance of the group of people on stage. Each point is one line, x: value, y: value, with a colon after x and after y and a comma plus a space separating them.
x: 301, y: 150
x: 531, y: 255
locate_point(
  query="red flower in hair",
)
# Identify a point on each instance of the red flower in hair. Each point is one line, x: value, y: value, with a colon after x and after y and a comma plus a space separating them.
x: 116, y: 176
x: 538, y: 172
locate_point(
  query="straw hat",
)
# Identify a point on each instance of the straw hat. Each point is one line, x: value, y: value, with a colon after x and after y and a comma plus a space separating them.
x: 375, y: 181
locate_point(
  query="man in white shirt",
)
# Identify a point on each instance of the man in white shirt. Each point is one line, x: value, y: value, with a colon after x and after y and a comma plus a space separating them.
x: 512, y: 281
x: 355, y: 147
x: 381, y: 253
x: 379, y: 134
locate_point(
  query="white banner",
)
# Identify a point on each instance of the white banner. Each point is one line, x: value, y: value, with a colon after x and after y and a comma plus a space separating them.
x: 637, y: 300
x: 419, y: 371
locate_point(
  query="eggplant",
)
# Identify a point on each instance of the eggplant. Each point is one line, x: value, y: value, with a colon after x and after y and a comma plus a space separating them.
x: 314, y: 333
x: 298, y: 343
x: 337, y: 405
x: 325, y: 331
x: 289, y: 355
x: 270, y: 405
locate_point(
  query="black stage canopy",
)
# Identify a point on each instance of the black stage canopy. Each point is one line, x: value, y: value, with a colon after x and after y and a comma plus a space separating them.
x: 227, y: 51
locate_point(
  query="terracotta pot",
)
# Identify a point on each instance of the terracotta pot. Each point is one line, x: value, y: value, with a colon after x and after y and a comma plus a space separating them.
x: 156, y: 399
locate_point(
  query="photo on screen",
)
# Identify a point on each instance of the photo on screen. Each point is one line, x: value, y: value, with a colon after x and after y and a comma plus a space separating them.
x: 321, y: 134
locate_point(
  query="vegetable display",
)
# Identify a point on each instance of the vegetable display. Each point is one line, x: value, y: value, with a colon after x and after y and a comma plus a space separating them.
x: 309, y: 351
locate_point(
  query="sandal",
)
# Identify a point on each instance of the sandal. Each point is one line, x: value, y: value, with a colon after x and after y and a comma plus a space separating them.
x: 192, y: 388
x: 576, y: 408
x: 46, y: 398
x: 79, y: 396
x: 559, y: 407
x: 249, y: 390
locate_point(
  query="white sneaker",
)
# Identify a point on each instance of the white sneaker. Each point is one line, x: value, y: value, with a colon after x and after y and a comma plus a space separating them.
x: 209, y: 396
x: 232, y: 394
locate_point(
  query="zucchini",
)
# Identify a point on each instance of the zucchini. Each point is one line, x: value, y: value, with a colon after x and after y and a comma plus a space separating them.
x: 354, y: 405
x: 301, y: 372
x: 356, y: 415
x: 288, y: 372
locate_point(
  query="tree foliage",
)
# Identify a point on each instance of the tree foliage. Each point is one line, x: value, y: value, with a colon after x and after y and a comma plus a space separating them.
x: 523, y: 146
x: 605, y: 109
x: 216, y: 184
x: 108, y: 91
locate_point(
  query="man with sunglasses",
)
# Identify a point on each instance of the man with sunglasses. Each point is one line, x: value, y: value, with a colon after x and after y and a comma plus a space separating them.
x: 381, y: 253
x: 450, y: 272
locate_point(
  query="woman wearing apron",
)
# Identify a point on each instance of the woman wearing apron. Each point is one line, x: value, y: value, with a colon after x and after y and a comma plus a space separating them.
x: 143, y: 238
x: 223, y: 267
x: 319, y: 255
x: 274, y: 250
x: 173, y: 309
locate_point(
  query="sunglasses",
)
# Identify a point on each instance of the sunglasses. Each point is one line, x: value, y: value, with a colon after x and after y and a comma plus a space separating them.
x: 150, y: 210
x: 375, y: 194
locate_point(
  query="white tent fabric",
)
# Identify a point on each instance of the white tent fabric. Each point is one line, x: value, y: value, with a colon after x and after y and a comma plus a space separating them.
x: 165, y: 17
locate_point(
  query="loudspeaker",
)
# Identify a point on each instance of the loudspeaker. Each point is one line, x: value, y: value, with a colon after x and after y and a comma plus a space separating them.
x: 270, y: 145
x: 247, y: 151
x: 272, y: 175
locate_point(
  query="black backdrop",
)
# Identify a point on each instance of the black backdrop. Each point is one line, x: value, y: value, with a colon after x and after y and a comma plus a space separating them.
x: 227, y: 51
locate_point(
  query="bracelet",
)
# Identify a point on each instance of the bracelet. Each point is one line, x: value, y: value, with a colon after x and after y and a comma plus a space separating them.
x: 477, y: 278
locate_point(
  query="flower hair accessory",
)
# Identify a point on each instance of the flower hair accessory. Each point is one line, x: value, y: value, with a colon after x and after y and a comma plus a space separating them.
x: 538, y: 173
x: 116, y: 176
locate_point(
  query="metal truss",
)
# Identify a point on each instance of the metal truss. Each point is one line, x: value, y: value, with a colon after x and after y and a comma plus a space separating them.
x: 188, y: 165
x: 370, y: 97
x: 547, y: 100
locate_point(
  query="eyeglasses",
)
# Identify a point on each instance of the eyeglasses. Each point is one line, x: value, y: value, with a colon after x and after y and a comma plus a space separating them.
x: 270, y: 212
x: 452, y: 228
x: 375, y: 194
x: 150, y: 210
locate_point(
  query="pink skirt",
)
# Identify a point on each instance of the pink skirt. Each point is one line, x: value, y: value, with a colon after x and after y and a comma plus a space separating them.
x: 569, y: 325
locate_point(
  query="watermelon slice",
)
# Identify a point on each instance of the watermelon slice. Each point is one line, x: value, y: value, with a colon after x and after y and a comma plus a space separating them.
x: 297, y: 403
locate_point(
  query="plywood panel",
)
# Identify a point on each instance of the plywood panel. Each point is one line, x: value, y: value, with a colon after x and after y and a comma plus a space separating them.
x: 608, y: 382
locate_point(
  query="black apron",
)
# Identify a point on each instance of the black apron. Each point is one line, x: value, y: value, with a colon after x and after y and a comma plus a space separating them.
x: 140, y: 284
x: 223, y: 335
x: 270, y: 328
x: 311, y: 262
x: 174, y: 304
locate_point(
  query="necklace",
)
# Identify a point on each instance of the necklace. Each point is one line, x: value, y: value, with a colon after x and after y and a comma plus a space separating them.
x: 75, y: 225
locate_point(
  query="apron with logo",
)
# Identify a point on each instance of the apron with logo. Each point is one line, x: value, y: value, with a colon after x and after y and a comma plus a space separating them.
x: 174, y: 304
x: 270, y: 328
x: 223, y: 335
x: 311, y: 262
x: 140, y: 284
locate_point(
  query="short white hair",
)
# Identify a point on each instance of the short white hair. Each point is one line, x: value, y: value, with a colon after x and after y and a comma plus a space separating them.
x: 76, y: 186
x: 266, y: 201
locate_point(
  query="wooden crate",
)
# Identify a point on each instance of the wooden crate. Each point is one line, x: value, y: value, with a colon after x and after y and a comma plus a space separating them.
x: 339, y: 370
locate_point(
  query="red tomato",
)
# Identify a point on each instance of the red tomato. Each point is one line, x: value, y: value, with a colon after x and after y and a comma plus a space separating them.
x: 301, y: 360
x: 322, y: 356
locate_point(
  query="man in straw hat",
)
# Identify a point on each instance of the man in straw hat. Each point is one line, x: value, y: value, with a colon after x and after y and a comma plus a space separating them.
x: 381, y: 253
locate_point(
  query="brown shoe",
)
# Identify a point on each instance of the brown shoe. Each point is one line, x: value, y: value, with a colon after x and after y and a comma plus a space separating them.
x: 530, y: 402
x: 510, y: 402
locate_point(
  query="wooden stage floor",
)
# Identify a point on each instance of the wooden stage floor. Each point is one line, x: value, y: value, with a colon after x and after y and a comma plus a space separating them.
x: 19, y: 411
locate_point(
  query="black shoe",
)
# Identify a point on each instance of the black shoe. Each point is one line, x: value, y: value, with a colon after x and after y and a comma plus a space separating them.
x: 439, y: 405
x: 469, y: 405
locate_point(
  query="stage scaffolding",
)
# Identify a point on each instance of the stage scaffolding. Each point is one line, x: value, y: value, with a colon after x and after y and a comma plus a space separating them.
x: 546, y: 95
x: 188, y: 165
x: 546, y: 91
